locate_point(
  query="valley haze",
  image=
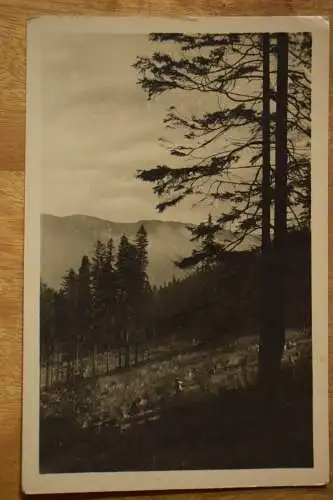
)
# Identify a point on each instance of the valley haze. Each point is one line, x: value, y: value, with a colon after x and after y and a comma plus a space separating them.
x: 64, y: 241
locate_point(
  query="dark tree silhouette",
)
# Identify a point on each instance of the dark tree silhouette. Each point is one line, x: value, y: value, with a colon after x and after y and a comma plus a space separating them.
x: 47, y: 330
x: 103, y: 299
x: 142, y: 248
x: 128, y: 284
x: 225, y: 64
x: 84, y: 311
x: 69, y: 294
x: 110, y: 300
x: 220, y: 64
x: 144, y: 298
x: 266, y: 312
x: 98, y: 279
x: 273, y: 339
x: 209, y: 251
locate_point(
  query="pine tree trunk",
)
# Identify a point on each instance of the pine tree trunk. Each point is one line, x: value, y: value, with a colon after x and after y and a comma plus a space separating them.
x: 127, y: 348
x: 93, y: 362
x: 56, y: 366
x: 127, y: 356
x: 278, y: 262
x: 77, y: 359
x: 61, y: 366
x: 47, y: 385
x: 265, y: 260
x: 50, y: 375
x: 136, y: 359
x: 67, y: 369
x: 281, y: 201
x: 81, y: 360
x: 120, y: 347
x: 119, y: 357
x: 73, y: 363
x: 107, y: 360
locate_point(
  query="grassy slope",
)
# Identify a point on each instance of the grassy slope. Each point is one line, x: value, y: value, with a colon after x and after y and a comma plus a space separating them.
x: 139, y: 420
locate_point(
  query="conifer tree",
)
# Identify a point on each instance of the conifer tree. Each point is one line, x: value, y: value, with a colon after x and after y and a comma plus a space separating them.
x: 144, y: 323
x: 142, y: 249
x: 69, y: 294
x: 84, y: 310
x: 47, y: 330
x: 244, y: 123
x: 127, y: 279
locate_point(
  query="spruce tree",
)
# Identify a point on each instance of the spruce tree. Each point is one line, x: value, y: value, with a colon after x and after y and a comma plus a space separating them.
x: 69, y: 293
x: 142, y: 249
x: 145, y: 322
x: 238, y: 175
x: 84, y: 310
x: 125, y: 285
x: 110, y: 297
x: 104, y: 298
x: 47, y: 334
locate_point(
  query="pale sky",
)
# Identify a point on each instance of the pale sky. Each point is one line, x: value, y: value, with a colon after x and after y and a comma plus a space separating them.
x: 98, y: 129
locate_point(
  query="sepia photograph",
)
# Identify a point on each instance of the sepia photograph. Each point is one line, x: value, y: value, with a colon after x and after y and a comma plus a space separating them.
x: 175, y: 307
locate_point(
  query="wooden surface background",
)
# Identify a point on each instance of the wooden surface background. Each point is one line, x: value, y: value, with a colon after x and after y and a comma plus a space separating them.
x: 13, y: 16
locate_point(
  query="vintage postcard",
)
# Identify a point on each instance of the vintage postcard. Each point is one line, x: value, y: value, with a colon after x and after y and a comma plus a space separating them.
x: 175, y: 303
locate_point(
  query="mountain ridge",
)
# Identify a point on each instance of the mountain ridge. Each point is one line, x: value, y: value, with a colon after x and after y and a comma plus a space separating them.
x: 65, y: 239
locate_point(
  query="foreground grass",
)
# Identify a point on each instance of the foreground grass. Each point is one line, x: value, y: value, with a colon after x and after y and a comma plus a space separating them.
x: 140, y: 420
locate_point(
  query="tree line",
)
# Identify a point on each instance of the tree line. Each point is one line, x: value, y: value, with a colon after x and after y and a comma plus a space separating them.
x: 107, y: 316
x: 99, y: 309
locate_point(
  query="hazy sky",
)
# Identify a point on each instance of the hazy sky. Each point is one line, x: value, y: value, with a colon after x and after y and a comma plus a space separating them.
x: 98, y: 129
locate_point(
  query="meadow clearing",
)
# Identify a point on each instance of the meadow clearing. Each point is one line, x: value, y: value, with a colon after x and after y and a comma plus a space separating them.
x: 180, y: 409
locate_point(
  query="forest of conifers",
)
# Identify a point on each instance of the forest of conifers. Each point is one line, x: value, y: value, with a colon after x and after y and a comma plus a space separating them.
x: 106, y: 316
x: 100, y: 307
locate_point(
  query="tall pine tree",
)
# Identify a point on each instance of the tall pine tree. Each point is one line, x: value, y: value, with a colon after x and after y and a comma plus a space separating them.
x: 220, y: 64
x: 84, y: 310
x: 69, y: 294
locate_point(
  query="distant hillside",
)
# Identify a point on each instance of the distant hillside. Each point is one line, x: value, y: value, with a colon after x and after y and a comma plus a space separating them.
x: 64, y: 240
